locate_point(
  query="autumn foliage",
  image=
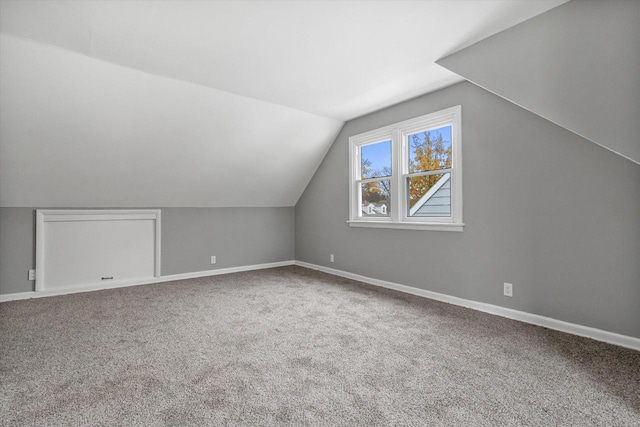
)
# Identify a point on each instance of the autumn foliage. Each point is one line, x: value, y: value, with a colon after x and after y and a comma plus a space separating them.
x: 428, y: 152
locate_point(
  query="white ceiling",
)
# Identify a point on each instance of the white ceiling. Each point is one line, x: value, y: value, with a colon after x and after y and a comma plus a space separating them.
x: 187, y: 93
x: 335, y: 59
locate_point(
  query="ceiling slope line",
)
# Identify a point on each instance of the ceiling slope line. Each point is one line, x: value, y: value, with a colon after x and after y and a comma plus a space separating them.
x: 576, y: 66
x: 163, y: 76
x: 548, y: 119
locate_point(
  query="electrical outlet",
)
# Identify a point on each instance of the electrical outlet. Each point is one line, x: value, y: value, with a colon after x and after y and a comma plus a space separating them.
x: 32, y: 275
x: 508, y: 289
x: 213, y: 259
x: 331, y: 259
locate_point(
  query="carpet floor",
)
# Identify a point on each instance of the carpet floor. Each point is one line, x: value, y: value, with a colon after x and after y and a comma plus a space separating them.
x: 293, y: 346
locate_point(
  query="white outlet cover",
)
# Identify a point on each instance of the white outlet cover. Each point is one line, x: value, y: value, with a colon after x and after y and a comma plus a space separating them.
x: 508, y: 289
x: 213, y: 259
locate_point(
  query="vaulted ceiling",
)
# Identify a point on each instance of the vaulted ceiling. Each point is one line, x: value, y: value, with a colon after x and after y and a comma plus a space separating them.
x: 203, y: 103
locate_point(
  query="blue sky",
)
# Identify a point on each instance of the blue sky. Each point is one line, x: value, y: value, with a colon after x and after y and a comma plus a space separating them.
x: 379, y: 154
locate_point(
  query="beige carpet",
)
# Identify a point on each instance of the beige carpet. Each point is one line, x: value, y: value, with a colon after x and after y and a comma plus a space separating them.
x: 291, y: 346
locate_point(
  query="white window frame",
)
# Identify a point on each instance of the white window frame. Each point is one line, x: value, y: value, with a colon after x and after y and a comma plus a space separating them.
x: 398, y: 134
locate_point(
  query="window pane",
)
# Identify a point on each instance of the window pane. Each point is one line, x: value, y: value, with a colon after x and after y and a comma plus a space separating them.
x: 376, y: 199
x: 430, y: 150
x: 375, y: 160
x: 429, y: 195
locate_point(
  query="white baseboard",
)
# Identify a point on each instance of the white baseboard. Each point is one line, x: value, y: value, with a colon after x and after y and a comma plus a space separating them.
x: 225, y: 271
x: 145, y: 281
x: 17, y: 296
x: 534, y: 319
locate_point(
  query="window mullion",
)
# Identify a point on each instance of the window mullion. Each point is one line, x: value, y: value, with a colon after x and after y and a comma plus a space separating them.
x: 376, y: 179
x: 396, y: 186
x: 354, y: 155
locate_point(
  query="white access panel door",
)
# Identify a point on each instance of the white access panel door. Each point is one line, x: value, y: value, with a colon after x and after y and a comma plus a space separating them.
x: 83, y: 249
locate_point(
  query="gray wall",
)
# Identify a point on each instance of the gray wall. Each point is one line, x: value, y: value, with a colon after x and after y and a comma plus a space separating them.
x: 577, y: 65
x: 237, y: 236
x: 17, y: 249
x: 544, y: 209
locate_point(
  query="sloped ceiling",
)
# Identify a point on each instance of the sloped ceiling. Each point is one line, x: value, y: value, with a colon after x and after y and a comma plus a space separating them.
x: 577, y: 65
x: 202, y: 103
x: 91, y: 133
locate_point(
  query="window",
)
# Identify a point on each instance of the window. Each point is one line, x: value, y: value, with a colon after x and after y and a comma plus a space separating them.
x: 409, y: 174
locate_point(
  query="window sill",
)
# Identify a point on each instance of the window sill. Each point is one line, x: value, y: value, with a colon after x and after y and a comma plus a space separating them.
x: 427, y: 226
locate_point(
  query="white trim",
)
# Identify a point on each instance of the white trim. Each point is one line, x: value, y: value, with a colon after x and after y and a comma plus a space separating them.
x: 449, y: 117
x: 95, y: 217
x: 522, y: 316
x: 398, y: 134
x: 227, y: 270
x: 355, y: 172
x: 21, y: 295
x: 157, y: 272
x: 123, y: 284
x: 96, y: 214
x: 66, y: 215
x: 385, y: 223
x: 40, y: 214
x: 534, y: 319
